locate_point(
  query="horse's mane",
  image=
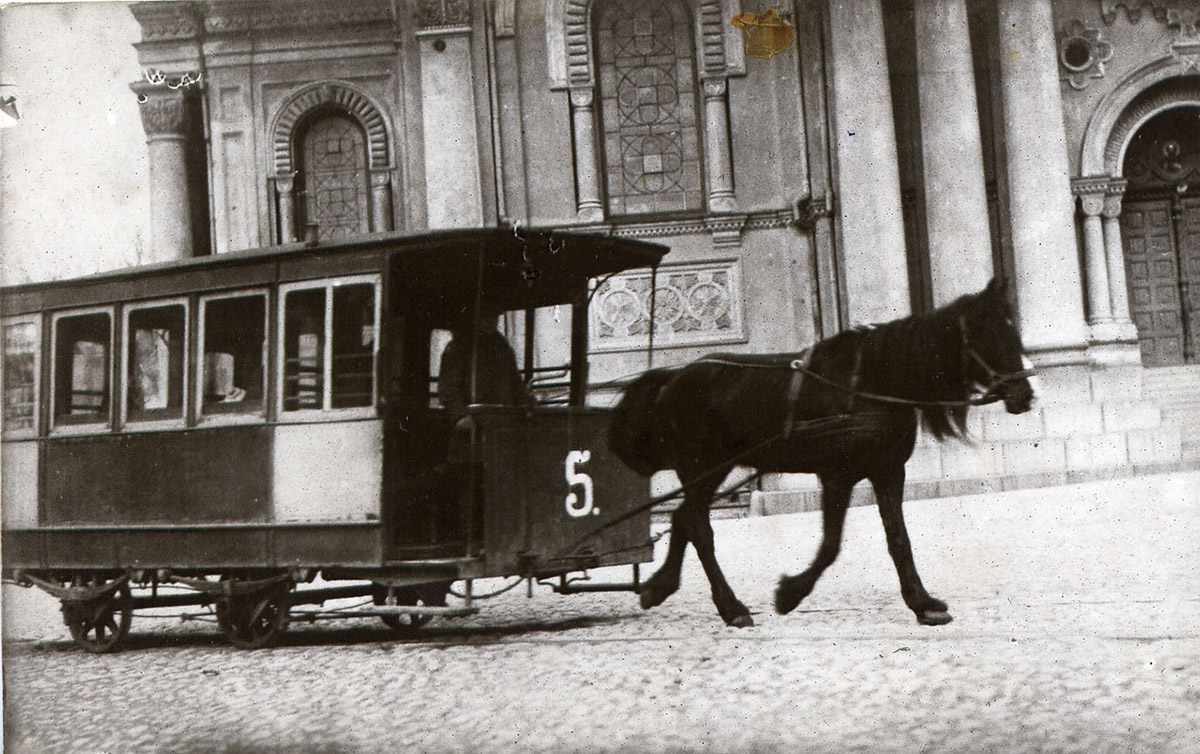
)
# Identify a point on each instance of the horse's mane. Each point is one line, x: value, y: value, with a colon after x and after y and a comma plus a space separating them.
x: 919, y: 358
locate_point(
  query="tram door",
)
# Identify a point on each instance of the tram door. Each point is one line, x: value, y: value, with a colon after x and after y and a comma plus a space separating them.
x: 1162, y: 257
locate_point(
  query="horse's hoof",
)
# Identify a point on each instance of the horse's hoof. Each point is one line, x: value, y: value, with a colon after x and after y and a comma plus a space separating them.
x: 741, y: 621
x: 787, y: 597
x: 933, y: 617
x: 651, y: 597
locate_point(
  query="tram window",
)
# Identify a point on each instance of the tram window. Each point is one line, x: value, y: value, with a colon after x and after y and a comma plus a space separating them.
x: 329, y: 346
x: 353, y: 345
x: 234, y: 352
x: 82, y: 353
x: 304, y: 347
x: 154, y: 377
x: 22, y: 345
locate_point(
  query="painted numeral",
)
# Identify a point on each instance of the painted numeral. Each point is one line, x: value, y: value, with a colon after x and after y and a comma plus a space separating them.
x: 579, y: 505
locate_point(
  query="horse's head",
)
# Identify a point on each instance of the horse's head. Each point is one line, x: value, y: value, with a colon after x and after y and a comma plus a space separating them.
x: 993, y: 358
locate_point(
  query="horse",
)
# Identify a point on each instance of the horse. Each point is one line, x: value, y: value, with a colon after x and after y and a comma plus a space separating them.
x: 846, y: 409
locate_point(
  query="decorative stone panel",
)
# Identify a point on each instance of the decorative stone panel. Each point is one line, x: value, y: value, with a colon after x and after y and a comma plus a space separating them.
x: 433, y: 14
x: 696, y: 304
x: 1082, y: 54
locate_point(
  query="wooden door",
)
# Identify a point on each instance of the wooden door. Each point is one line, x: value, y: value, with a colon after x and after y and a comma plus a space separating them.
x: 1152, y: 263
x: 1188, y: 235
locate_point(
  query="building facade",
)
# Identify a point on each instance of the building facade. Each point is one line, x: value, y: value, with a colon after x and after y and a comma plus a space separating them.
x: 892, y: 157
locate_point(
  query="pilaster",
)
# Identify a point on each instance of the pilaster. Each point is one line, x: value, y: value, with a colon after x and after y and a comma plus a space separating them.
x: 453, y: 183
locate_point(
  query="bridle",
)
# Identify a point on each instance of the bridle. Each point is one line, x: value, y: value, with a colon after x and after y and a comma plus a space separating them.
x: 996, y: 380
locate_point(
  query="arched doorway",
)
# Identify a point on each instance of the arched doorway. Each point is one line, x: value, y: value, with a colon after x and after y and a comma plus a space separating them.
x: 1160, y: 226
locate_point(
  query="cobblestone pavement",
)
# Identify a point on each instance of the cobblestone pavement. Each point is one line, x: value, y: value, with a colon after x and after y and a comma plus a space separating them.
x: 1077, y: 630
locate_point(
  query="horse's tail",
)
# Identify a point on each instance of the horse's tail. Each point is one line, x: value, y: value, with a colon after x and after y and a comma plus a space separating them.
x: 633, y: 435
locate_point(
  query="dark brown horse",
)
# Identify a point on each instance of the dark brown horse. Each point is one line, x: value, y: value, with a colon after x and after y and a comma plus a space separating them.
x: 845, y: 410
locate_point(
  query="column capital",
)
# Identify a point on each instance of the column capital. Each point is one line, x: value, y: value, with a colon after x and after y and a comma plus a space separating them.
x: 715, y: 87
x: 284, y: 182
x: 582, y: 96
x: 1112, y: 198
x: 162, y: 108
x: 1091, y: 192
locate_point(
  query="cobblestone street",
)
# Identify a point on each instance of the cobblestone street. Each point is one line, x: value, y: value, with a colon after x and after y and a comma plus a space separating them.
x: 1077, y: 629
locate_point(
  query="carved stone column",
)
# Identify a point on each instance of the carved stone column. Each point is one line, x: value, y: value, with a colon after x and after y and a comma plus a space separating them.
x: 1042, y: 211
x: 867, y: 176
x: 960, y: 244
x: 164, y: 112
x: 1114, y: 253
x: 1091, y: 199
x: 588, y: 206
x: 381, y: 201
x: 719, y: 154
x: 285, y: 186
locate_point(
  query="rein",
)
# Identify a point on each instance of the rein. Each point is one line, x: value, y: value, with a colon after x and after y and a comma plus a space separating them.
x: 989, y: 394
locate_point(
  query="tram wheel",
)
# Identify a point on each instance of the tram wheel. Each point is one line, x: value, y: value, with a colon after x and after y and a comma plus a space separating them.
x: 253, y: 621
x: 100, y: 626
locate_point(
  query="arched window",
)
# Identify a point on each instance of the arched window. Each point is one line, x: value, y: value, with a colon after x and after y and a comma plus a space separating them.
x: 332, y: 178
x: 647, y: 89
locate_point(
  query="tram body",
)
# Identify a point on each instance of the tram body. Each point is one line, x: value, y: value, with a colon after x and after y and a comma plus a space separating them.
x: 237, y: 422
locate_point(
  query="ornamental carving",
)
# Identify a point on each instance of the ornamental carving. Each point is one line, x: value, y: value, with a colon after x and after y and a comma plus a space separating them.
x: 240, y: 16
x: 1181, y: 16
x: 1082, y: 54
x: 1166, y: 151
x: 694, y: 304
x: 438, y: 13
x: 163, y: 111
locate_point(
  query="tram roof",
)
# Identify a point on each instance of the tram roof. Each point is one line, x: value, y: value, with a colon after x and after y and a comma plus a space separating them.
x: 508, y: 268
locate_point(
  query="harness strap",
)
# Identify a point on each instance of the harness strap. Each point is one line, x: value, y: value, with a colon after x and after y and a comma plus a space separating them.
x: 855, y: 377
x: 799, y: 368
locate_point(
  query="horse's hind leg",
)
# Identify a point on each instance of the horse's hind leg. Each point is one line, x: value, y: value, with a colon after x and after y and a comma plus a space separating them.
x: 889, y: 495
x: 835, y: 498
x: 665, y: 580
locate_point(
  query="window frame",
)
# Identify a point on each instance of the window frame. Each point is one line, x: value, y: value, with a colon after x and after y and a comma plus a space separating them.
x: 326, y: 412
x: 145, y: 425
x: 89, y: 428
x: 26, y: 433
x: 249, y: 417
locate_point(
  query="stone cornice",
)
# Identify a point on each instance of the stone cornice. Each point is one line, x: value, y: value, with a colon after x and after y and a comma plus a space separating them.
x: 726, y: 229
x: 163, y: 22
x: 174, y: 21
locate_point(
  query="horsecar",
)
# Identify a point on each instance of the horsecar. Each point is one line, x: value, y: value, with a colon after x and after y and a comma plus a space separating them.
x: 257, y: 433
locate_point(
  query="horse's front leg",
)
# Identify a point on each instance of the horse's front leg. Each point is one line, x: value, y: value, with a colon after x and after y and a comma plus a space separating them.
x: 835, y: 498
x: 699, y: 529
x: 889, y: 495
